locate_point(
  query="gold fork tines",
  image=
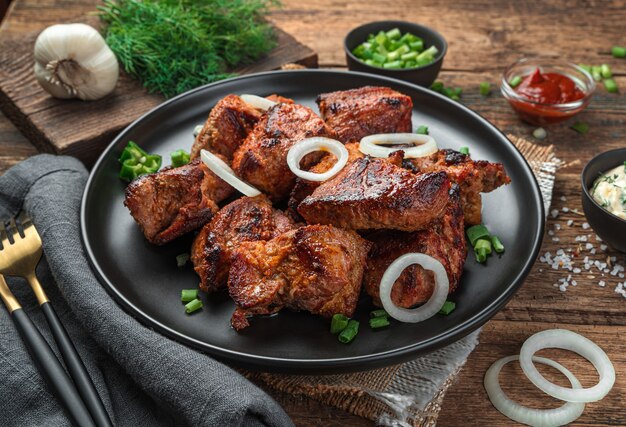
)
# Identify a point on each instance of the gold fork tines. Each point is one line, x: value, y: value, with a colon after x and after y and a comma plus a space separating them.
x: 21, y: 252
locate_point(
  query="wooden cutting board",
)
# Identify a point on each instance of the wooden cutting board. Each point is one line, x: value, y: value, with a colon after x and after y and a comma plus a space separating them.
x: 84, y: 128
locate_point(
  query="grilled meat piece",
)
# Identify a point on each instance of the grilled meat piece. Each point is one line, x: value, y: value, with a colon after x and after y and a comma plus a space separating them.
x: 368, y: 110
x: 374, y: 193
x: 262, y: 158
x: 304, y: 188
x: 246, y: 219
x: 314, y: 268
x: 228, y: 124
x: 444, y: 240
x: 473, y: 176
x: 175, y: 201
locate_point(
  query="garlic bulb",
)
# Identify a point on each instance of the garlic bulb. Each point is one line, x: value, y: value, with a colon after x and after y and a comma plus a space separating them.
x: 74, y: 61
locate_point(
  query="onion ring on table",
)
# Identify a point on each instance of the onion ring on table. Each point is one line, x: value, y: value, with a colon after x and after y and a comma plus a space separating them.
x: 225, y: 172
x: 430, y: 307
x: 309, y: 145
x: 257, y: 102
x: 371, y: 145
x: 562, y: 415
x: 568, y: 340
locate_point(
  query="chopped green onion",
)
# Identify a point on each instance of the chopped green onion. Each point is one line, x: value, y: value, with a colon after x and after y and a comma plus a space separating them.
x: 417, y: 46
x: 580, y: 127
x: 476, y: 232
x: 338, y: 323
x: 381, y: 38
x: 379, y: 322
x: 448, y: 307
x: 464, y: 150
x: 485, y: 88
x: 408, y: 56
x: 606, y: 72
x: 193, y: 305
x: 515, y: 81
x: 483, y: 244
x: 618, y: 52
x: 136, y: 162
x: 497, y: 244
x: 179, y: 158
x: 540, y: 133
x: 393, y: 64
x: 379, y: 58
x: 611, y: 86
x: 182, y: 259
x: 481, y: 255
x: 585, y: 67
x: 349, y: 332
x: 379, y: 313
x: 422, y: 130
x: 187, y: 295
x: 394, y: 34
x: 596, y: 73
x: 393, y: 56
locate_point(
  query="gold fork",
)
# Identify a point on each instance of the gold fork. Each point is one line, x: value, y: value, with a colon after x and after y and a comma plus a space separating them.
x: 19, y: 256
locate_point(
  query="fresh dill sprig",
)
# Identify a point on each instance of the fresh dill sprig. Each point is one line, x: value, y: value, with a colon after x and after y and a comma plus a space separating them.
x: 172, y: 46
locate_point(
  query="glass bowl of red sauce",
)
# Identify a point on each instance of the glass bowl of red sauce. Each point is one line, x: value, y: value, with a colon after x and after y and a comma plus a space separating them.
x: 546, y: 91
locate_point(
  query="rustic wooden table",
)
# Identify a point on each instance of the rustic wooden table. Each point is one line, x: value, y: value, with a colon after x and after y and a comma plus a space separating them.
x: 484, y: 36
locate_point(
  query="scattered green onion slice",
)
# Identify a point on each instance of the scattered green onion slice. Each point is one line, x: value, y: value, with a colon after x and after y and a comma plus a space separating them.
x: 179, y: 158
x: 182, y: 259
x: 379, y: 322
x: 187, y: 295
x: 580, y: 127
x: 585, y: 67
x: 610, y: 86
x: 448, y: 307
x: 193, y: 306
x: 497, y: 244
x: 606, y: 72
x: 476, y: 232
x: 483, y: 244
x: 338, y: 323
x: 515, y: 81
x: 540, y: 133
x: 379, y: 313
x: 481, y: 255
x: 422, y: 130
x: 464, y: 150
x: 596, y: 72
x: 485, y: 88
x: 618, y: 52
x: 348, y: 334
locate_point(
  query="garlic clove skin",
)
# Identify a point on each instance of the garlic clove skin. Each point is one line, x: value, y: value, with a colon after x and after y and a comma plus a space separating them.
x: 74, y: 61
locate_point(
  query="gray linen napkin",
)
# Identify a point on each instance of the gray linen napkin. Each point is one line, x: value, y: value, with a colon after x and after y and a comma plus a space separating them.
x: 142, y: 377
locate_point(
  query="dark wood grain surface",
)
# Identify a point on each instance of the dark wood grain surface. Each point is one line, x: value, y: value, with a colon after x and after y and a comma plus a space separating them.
x: 485, y: 36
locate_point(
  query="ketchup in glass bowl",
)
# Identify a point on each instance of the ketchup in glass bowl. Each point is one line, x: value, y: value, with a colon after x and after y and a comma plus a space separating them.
x: 546, y: 91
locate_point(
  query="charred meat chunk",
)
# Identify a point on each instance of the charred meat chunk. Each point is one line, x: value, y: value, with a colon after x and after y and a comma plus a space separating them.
x: 473, y: 176
x: 304, y: 188
x: 314, y: 268
x: 175, y: 201
x: 228, y: 124
x: 444, y: 240
x: 368, y: 110
x: 246, y: 219
x: 374, y: 193
x: 262, y: 158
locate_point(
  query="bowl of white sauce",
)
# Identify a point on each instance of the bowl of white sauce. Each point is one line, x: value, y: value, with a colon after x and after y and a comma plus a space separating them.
x: 604, y: 196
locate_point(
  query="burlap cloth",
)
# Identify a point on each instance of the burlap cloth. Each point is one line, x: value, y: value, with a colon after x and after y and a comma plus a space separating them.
x: 408, y: 394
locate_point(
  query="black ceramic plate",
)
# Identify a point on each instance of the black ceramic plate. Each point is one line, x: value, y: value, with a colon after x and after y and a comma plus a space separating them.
x: 145, y: 280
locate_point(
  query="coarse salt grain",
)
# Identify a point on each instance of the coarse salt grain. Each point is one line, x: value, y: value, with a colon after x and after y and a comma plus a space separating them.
x: 585, y: 225
x: 554, y: 213
x: 570, y: 222
x: 603, y: 247
x: 565, y: 209
x: 602, y: 283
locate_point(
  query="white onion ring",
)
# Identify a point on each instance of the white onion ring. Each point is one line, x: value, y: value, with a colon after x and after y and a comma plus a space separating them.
x: 371, y: 145
x: 309, y: 145
x: 225, y: 172
x: 257, y: 102
x: 560, y: 416
x: 434, y: 303
x: 568, y: 340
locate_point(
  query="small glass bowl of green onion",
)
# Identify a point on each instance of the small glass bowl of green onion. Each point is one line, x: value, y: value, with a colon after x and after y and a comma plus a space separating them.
x: 398, y: 49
